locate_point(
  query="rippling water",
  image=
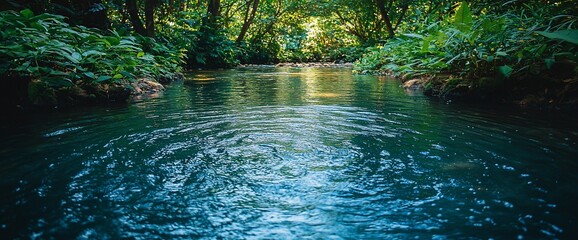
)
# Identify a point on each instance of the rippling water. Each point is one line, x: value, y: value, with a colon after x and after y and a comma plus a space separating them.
x: 289, y: 154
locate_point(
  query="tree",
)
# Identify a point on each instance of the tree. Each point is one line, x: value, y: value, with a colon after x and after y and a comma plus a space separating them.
x: 213, y: 12
x: 148, y: 28
x: 360, y: 18
x: 385, y: 10
x: 248, y: 20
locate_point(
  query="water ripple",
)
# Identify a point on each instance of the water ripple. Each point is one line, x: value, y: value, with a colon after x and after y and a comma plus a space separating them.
x: 290, y: 155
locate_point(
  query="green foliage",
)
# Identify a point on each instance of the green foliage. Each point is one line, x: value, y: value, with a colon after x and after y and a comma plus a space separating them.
x: 345, y: 54
x: 46, y: 48
x: 476, y: 47
x: 566, y: 35
x: 463, y: 17
x: 259, y: 52
x: 212, y: 50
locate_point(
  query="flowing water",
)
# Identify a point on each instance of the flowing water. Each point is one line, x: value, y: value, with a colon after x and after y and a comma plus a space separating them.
x: 279, y: 153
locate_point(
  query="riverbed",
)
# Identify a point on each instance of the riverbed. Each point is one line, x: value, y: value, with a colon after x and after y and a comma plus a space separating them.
x: 289, y: 153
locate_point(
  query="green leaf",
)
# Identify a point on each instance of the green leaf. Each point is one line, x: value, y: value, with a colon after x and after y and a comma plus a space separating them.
x: 112, y: 40
x: 80, y: 68
x: 501, y: 54
x: 200, y: 59
x: 127, y: 74
x: 505, y: 70
x: 413, y: 35
x: 463, y: 17
x: 92, y: 52
x: 69, y: 30
x: 103, y: 78
x: 140, y: 54
x: 426, y: 43
x: 58, y: 73
x: 76, y: 56
x: 39, y: 27
x: 90, y: 75
x: 565, y: 35
x: 493, y: 25
x: 117, y: 76
x: 26, y: 13
x: 549, y: 63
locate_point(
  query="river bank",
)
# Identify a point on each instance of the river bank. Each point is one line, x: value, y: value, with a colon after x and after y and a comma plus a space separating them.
x: 555, y: 90
x: 35, y: 94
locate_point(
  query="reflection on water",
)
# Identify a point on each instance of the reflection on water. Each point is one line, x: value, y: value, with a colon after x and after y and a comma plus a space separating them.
x: 288, y: 153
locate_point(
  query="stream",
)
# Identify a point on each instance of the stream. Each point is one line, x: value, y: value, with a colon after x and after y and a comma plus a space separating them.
x: 289, y: 153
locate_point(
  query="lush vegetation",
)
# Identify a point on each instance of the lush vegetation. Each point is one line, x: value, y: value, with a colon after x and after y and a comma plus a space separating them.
x: 52, y: 59
x: 478, y: 48
x: 491, y: 52
x: 49, y: 50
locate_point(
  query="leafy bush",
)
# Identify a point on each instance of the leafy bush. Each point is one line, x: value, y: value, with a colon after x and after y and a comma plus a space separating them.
x: 345, y: 54
x: 45, y: 48
x: 212, y: 49
x: 259, y: 52
x: 498, y: 46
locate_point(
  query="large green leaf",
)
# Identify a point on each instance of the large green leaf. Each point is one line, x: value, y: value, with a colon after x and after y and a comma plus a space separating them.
x: 92, y: 52
x: 76, y: 56
x: 505, y: 70
x: 26, y: 13
x: 414, y: 35
x: 103, y: 78
x: 565, y: 35
x: 463, y: 18
x: 90, y: 75
x: 426, y: 43
x: 112, y: 40
x: 491, y: 25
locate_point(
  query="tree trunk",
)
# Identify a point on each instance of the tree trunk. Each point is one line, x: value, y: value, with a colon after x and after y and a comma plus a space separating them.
x: 132, y: 9
x: 385, y: 17
x: 350, y: 28
x: 248, y: 20
x: 150, y: 17
x: 401, y: 16
x: 213, y: 11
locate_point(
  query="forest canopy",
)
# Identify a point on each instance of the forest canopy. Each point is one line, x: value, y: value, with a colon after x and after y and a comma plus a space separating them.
x: 225, y: 32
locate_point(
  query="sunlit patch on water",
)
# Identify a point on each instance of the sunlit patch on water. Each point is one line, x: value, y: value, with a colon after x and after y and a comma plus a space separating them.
x: 204, y: 79
x: 326, y: 95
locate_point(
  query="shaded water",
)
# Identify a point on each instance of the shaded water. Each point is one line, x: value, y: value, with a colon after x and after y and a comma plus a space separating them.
x: 289, y: 153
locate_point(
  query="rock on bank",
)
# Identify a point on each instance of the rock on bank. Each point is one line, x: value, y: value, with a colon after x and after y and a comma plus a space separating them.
x: 27, y: 94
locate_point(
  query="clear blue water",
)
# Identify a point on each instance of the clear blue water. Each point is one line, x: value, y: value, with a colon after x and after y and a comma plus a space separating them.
x: 278, y: 153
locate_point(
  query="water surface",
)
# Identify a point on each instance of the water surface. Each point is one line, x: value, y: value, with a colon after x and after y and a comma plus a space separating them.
x: 279, y: 153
